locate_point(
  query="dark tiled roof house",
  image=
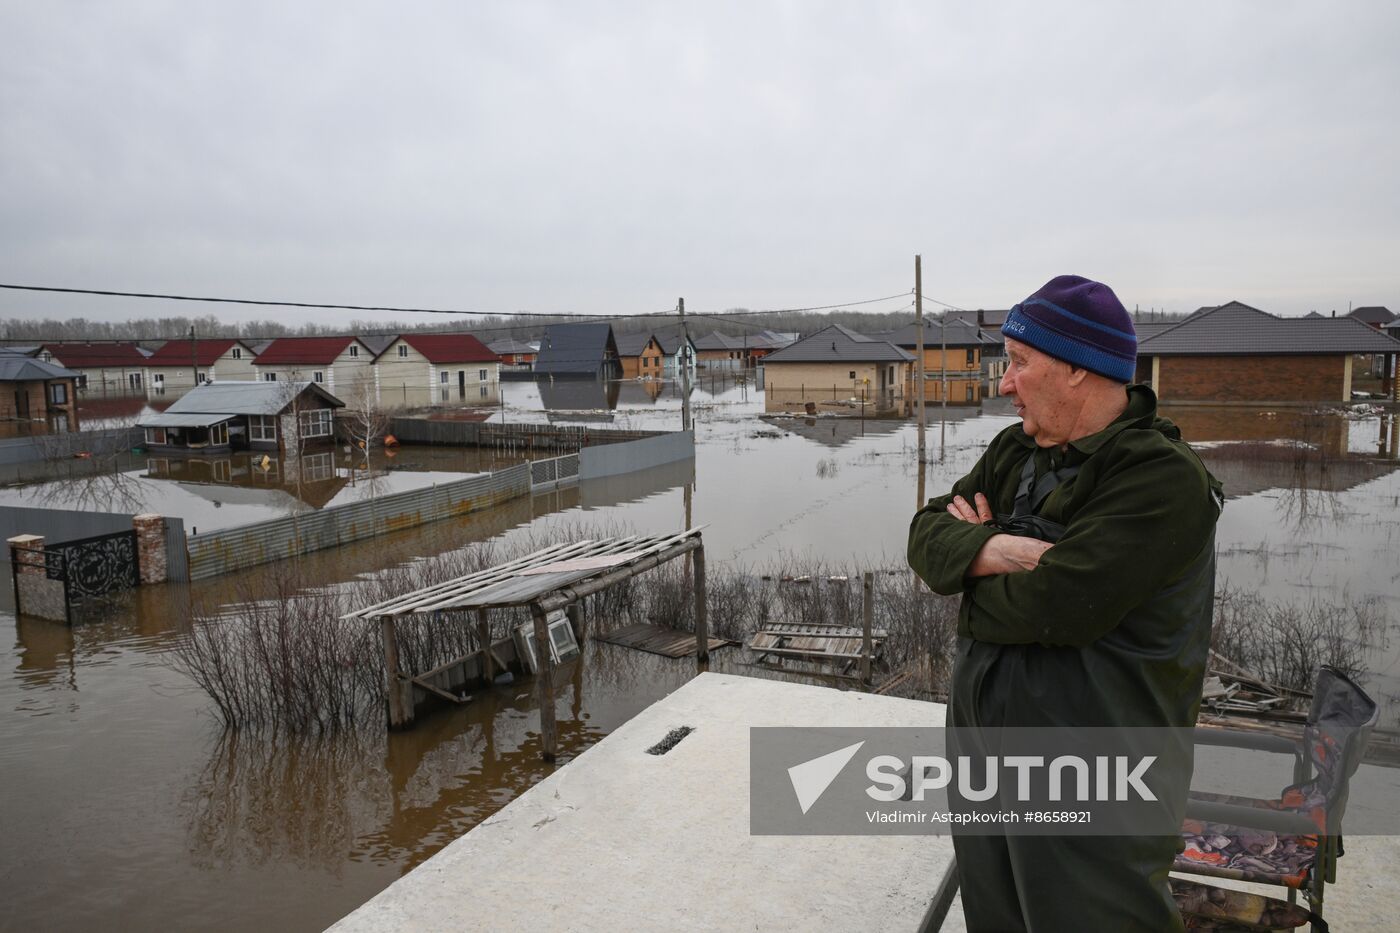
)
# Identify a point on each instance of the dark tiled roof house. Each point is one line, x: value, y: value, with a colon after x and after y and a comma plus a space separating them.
x: 1236, y: 353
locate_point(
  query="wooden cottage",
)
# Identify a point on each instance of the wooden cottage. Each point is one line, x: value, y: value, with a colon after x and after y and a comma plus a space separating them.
x: 220, y: 417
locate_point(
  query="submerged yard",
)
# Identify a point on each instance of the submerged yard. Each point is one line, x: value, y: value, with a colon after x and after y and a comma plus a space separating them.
x: 127, y: 805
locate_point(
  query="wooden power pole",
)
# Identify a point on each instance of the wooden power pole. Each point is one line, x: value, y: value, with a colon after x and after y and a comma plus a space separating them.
x: 685, y: 369
x: 919, y: 361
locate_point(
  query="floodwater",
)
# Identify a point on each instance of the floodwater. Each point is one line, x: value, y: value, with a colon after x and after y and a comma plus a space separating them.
x: 125, y: 806
x: 210, y: 493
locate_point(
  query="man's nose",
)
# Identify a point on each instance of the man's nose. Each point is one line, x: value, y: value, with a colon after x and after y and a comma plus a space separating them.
x: 1008, y: 384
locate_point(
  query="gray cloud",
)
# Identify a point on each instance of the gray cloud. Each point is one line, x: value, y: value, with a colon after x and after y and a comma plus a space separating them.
x: 602, y: 158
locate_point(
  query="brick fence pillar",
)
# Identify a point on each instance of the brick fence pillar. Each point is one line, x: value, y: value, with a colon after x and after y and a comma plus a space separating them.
x: 150, y: 547
x: 27, y: 552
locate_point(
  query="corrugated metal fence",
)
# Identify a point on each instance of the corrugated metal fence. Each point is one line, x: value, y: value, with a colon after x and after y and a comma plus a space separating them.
x: 230, y: 549
x: 517, y: 437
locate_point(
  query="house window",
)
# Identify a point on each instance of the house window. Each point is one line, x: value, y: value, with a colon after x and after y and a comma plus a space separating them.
x: 316, y: 423
x: 316, y: 468
x: 200, y: 378
x: 318, y: 376
x: 971, y: 358
x: 158, y: 380
x: 481, y: 375
x: 483, y: 391
x: 81, y: 381
x: 133, y: 380
x: 218, y: 434
x: 155, y: 435
x: 48, y: 357
x: 354, y: 349
x: 853, y: 374
x: 442, y: 395
x: 403, y: 349
x: 971, y: 392
x: 442, y: 377
x: 262, y: 428
x: 237, y: 353
x: 58, y: 394
x: 222, y: 470
x: 269, y: 377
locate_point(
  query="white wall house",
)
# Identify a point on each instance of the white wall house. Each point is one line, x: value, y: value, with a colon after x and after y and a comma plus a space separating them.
x: 436, y: 369
x: 180, y: 365
x: 100, y: 368
x: 343, y: 365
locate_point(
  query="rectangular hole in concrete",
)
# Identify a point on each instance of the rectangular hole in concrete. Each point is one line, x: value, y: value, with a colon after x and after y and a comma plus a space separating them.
x: 672, y: 739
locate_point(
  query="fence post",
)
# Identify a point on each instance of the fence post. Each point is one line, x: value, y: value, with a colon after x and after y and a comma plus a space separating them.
x: 544, y: 670
x: 867, y: 611
x: 702, y: 617
x: 150, y: 548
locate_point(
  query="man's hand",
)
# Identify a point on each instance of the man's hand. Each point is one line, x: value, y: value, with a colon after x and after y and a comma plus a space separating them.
x: 1007, y: 554
x: 1001, y: 553
x: 962, y: 510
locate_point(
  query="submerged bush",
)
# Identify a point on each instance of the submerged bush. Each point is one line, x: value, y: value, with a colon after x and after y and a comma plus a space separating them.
x: 1283, y: 643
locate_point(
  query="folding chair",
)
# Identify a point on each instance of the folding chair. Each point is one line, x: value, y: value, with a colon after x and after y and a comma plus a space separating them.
x: 1295, y: 840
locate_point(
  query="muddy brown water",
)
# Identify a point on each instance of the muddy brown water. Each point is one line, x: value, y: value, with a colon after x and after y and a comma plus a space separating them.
x: 126, y: 807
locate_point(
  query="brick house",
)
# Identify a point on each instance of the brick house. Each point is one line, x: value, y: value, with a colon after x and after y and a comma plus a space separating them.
x: 34, y: 390
x: 1236, y: 353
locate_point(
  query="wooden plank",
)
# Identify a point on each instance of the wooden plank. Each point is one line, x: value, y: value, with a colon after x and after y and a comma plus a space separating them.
x: 431, y: 688
x: 702, y: 618
x: 655, y: 639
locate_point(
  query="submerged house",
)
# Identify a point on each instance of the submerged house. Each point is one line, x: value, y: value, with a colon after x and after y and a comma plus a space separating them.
x: 516, y: 355
x: 1235, y: 353
x: 184, y: 364
x: 836, y: 365
x: 640, y: 355
x: 341, y: 364
x: 579, y: 351
x: 431, y: 369
x: 221, y: 417
x: 35, y: 390
x: 101, y: 368
x: 953, y: 351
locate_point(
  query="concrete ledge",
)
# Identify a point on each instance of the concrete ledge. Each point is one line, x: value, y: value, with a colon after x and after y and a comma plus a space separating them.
x: 621, y: 840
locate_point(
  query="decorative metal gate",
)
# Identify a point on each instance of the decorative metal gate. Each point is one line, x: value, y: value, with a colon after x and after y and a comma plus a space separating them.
x: 94, y: 567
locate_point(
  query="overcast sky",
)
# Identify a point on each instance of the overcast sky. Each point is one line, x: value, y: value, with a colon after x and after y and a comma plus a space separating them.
x: 610, y: 157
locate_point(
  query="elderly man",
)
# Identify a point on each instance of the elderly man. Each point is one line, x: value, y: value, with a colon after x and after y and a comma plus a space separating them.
x: 1082, y: 545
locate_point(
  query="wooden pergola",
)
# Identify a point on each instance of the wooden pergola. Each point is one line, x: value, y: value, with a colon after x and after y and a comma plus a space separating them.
x: 546, y: 581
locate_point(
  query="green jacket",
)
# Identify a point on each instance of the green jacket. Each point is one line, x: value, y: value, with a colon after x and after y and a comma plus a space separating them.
x: 1113, y: 626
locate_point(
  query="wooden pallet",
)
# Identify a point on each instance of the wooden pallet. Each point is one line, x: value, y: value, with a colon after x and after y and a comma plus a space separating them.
x: 656, y: 639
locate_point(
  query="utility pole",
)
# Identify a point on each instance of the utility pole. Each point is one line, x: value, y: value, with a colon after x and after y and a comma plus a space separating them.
x: 685, y: 369
x: 919, y: 361
x: 194, y: 358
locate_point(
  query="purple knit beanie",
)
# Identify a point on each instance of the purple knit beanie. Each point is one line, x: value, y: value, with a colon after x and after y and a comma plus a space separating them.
x: 1078, y: 321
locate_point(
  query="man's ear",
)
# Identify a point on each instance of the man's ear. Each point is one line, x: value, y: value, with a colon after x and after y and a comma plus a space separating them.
x: 1077, y: 374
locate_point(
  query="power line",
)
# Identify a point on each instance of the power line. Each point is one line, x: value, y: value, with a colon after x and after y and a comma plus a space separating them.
x: 280, y: 304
